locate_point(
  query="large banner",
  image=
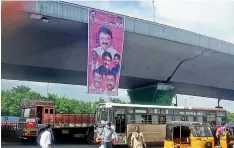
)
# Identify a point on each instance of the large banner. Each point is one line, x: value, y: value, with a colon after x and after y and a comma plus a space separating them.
x: 105, y: 48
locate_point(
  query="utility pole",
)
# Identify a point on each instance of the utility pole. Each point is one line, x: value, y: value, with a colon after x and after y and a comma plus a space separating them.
x: 48, y: 89
x: 153, y: 9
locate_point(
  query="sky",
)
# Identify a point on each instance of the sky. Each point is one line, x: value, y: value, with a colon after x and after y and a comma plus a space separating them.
x: 214, y: 18
x: 80, y: 93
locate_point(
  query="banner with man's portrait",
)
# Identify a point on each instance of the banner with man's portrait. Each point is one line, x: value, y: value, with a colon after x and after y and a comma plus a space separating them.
x: 105, y: 48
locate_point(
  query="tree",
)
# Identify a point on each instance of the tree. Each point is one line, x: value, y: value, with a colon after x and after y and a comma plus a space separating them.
x: 116, y: 100
x: 11, y: 100
x: 230, y: 117
x: 21, y: 89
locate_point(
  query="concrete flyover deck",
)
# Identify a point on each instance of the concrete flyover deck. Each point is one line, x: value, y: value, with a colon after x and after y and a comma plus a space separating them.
x: 57, y: 52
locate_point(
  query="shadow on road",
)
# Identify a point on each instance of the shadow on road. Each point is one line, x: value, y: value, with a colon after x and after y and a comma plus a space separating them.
x: 12, y: 139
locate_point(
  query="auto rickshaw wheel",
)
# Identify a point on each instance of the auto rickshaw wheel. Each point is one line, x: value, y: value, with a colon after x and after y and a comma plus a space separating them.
x: 231, y: 145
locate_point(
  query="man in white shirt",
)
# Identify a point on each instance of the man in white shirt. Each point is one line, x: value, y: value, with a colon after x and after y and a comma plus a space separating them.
x: 45, y: 140
x: 96, y: 86
x: 105, y: 39
x: 110, y: 84
x: 107, y: 134
x: 94, y: 63
x: 119, y: 22
x: 93, y: 15
x: 112, y: 22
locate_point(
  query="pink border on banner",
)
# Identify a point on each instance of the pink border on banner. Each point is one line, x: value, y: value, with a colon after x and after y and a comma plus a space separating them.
x: 105, y: 48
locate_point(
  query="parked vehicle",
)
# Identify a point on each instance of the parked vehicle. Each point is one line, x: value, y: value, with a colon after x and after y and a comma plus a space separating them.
x: 151, y: 119
x: 181, y: 134
x: 9, y: 124
x: 36, y: 114
x: 227, y: 137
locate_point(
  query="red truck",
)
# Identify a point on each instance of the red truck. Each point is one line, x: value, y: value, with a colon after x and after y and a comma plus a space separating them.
x: 36, y: 114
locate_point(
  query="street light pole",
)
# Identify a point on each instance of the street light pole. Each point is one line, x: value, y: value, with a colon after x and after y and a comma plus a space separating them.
x: 153, y: 9
x: 48, y: 89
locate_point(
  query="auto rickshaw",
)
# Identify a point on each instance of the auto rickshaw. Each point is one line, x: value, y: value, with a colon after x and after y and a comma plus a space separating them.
x: 182, y: 134
x: 227, y: 136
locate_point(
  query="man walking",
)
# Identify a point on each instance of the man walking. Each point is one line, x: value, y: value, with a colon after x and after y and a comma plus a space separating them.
x: 107, y: 136
x: 46, y: 136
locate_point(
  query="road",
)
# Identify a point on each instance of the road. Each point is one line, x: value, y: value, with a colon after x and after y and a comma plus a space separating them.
x: 12, y: 141
x: 56, y: 146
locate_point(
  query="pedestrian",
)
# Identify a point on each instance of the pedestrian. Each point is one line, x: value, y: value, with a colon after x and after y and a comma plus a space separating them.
x: 220, y: 130
x: 46, y: 136
x: 137, y: 139
x: 107, y: 134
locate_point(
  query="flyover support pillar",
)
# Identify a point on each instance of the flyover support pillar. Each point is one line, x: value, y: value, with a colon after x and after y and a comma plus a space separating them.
x: 151, y: 95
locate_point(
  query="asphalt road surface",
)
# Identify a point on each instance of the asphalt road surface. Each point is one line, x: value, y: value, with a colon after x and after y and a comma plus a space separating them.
x: 12, y: 141
x: 55, y: 146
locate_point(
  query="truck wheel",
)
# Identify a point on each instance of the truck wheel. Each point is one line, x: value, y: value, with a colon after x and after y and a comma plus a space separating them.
x: 90, y: 138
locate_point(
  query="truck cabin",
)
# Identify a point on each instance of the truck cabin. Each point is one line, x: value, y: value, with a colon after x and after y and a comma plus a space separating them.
x: 40, y: 110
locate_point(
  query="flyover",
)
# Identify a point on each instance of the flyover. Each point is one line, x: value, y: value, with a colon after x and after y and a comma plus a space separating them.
x: 56, y: 51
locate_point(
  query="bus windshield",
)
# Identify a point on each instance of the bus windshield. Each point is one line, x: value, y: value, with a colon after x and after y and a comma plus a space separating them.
x: 201, y: 131
x: 104, y: 115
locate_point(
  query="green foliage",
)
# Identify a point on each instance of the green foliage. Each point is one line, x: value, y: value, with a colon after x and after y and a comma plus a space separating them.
x: 21, y: 89
x: 230, y: 117
x: 150, y: 95
x: 11, y: 100
x: 116, y: 100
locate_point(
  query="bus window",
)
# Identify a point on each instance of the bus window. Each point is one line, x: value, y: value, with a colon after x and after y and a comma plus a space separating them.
x: 155, y: 119
x: 191, y: 113
x: 201, y: 113
x: 177, y: 118
x: 130, y: 111
x: 105, y: 115
x: 221, y: 113
x: 151, y: 111
x: 170, y: 111
x: 142, y: 111
x: 211, y: 117
x: 219, y: 120
x: 146, y: 119
x: 204, y: 119
x: 183, y: 118
x: 163, y: 111
x: 130, y: 119
x: 190, y: 118
x: 162, y: 119
x: 157, y: 111
x: 138, y: 118
x: 166, y: 111
x: 199, y: 119
x: 179, y: 112
x: 168, y: 118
